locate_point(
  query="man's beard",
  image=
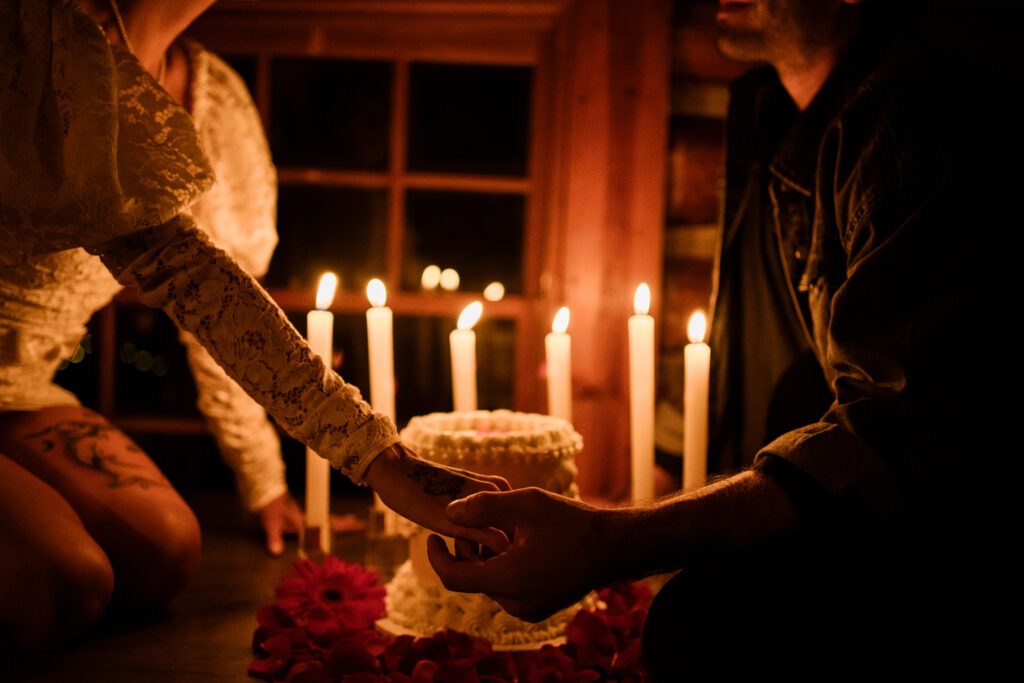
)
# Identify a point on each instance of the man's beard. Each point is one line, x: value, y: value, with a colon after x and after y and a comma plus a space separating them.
x: 783, y: 29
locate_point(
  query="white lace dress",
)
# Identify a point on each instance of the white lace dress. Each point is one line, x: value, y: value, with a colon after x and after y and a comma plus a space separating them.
x: 103, y: 180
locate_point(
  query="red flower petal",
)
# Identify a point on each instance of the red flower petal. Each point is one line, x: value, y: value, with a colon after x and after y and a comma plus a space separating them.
x: 424, y: 671
x: 350, y: 657
x: 397, y: 655
x: 308, y: 672
x: 362, y: 677
x: 321, y: 597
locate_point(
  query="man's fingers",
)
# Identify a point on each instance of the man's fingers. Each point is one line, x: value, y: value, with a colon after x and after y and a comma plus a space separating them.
x: 490, y: 537
x: 465, y: 576
x: 467, y: 550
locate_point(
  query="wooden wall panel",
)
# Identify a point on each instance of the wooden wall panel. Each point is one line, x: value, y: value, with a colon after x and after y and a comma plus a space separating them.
x: 613, y: 213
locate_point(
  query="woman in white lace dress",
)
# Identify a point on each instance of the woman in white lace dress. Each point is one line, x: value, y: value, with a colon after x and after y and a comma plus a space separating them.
x: 104, y: 176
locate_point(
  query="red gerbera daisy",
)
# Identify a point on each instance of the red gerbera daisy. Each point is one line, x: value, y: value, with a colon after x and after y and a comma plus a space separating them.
x: 336, y: 593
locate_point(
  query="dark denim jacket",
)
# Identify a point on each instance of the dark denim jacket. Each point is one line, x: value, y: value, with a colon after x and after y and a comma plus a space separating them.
x: 878, y: 204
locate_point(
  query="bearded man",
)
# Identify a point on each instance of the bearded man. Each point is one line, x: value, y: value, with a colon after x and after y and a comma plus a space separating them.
x: 866, y: 531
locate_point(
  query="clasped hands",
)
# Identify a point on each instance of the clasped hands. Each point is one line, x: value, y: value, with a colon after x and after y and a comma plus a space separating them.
x: 531, y: 551
x: 554, y: 557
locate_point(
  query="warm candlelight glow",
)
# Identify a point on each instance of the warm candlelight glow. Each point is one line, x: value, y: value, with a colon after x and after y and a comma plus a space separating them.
x: 431, y: 277
x: 449, y: 279
x: 642, y: 299
x: 325, y: 292
x: 561, y: 321
x: 696, y: 328
x: 470, y: 315
x: 376, y: 292
x: 494, y: 291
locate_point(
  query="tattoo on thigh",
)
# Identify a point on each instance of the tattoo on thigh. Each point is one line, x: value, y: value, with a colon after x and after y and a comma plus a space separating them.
x: 85, y: 443
x: 438, y: 482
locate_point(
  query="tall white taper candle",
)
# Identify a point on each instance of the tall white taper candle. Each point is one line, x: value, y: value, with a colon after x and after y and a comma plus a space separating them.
x: 696, y: 369
x: 558, y: 354
x: 320, y: 333
x: 380, y: 342
x: 379, y: 333
x: 463, y: 349
x: 641, y: 395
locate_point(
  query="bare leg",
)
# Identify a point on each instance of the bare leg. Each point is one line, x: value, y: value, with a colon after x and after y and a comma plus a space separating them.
x: 55, y: 580
x: 123, y: 500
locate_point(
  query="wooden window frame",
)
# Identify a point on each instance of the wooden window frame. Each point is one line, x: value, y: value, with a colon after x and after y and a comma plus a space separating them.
x: 594, y: 188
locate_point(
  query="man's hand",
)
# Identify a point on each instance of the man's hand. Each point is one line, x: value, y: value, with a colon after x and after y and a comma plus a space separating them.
x: 283, y: 516
x: 561, y: 549
x: 419, y: 491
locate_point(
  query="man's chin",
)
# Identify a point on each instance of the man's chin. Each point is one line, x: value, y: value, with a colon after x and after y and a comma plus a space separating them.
x: 740, y: 46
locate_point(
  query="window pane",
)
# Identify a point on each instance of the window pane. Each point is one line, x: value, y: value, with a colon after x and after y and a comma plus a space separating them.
x: 330, y: 113
x: 469, y: 119
x: 480, y: 235
x: 423, y: 368
x: 152, y: 375
x: 341, y: 229
x: 495, y: 359
x: 79, y: 374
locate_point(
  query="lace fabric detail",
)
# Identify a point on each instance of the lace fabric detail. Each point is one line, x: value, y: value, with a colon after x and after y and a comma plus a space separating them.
x: 70, y: 124
x: 239, y: 211
x: 64, y: 192
x: 92, y: 146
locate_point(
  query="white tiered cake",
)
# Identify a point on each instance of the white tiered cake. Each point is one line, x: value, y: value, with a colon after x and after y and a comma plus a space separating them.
x: 527, y: 450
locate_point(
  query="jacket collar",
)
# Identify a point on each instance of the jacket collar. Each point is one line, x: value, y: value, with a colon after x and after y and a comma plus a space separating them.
x: 795, y: 162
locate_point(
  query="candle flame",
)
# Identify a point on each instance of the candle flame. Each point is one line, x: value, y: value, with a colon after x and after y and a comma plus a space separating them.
x: 325, y: 292
x: 431, y: 277
x: 470, y: 315
x: 642, y: 299
x: 494, y: 291
x: 376, y: 292
x: 696, y: 328
x: 561, y: 321
x: 449, y: 279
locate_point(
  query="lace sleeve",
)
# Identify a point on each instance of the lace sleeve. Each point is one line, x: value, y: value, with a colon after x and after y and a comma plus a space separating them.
x: 175, y: 267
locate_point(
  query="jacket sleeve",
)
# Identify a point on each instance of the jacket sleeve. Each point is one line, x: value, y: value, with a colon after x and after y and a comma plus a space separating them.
x: 892, y: 283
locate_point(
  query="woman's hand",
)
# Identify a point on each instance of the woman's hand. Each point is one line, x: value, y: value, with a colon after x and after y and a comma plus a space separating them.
x: 420, y: 490
x: 283, y: 516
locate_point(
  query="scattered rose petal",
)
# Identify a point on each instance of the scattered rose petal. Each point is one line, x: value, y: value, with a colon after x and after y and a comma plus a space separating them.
x: 320, y: 630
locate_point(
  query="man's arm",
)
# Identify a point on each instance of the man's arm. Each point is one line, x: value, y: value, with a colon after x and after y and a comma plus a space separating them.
x: 563, y: 548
